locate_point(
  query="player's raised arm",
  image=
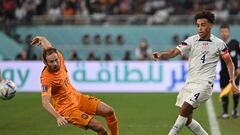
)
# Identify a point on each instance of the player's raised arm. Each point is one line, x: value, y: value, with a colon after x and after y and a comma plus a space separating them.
x: 166, y: 55
x: 231, y: 70
x: 46, y: 102
x: 42, y: 41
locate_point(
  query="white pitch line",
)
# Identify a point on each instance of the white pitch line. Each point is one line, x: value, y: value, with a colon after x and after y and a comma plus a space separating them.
x: 212, y: 118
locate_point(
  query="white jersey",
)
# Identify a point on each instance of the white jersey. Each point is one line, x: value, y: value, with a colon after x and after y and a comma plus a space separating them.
x: 203, y: 57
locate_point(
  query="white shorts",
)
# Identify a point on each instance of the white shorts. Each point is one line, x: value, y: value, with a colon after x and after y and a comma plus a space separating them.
x: 194, y: 94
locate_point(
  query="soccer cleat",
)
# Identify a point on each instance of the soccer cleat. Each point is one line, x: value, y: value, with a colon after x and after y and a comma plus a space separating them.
x: 235, y: 114
x: 224, y: 116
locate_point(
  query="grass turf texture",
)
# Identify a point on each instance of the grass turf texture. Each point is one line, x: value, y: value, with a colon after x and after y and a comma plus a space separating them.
x: 139, y: 114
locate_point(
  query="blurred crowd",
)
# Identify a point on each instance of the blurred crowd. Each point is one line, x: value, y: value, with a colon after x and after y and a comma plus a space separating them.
x: 143, y: 51
x: 150, y: 12
x: 24, y: 10
x: 14, y: 12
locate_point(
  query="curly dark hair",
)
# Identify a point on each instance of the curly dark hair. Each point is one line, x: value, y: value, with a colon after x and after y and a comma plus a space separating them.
x: 205, y: 15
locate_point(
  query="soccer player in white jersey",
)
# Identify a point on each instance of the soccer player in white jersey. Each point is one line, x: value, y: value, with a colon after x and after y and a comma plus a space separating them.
x: 204, y: 50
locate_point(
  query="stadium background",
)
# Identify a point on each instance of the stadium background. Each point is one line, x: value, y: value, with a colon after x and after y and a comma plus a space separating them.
x: 100, y: 41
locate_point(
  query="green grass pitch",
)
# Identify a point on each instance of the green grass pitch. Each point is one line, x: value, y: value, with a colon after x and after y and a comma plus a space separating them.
x: 138, y: 114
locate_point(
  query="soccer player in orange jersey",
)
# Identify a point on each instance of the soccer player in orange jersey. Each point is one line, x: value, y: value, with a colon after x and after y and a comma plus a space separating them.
x: 63, y: 101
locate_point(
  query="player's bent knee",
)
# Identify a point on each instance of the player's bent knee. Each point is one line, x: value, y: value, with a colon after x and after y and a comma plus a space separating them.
x: 96, y: 126
x: 109, y: 111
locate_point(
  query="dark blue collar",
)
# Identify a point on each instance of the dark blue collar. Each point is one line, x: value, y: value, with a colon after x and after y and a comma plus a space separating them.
x: 209, y: 40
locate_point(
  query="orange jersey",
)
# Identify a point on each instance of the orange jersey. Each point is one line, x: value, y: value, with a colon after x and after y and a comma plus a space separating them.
x: 57, y: 85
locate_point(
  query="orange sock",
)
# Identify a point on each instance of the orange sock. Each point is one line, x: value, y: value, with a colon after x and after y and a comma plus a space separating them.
x: 112, y: 124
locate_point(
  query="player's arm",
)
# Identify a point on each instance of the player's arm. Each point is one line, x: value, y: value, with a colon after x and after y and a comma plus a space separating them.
x: 42, y: 41
x: 166, y: 55
x: 231, y: 69
x: 46, y: 102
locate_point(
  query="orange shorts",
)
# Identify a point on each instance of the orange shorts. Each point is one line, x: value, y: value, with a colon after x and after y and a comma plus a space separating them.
x: 81, y: 115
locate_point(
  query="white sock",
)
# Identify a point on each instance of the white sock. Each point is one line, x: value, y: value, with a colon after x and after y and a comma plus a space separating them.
x: 196, y: 128
x: 180, y: 122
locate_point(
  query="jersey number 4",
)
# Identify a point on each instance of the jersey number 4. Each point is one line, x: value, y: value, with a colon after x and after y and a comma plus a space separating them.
x: 203, y: 58
x: 196, y: 96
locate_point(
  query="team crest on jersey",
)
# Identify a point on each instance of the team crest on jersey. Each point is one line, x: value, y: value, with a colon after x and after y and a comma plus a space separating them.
x: 182, y: 44
x: 44, y: 88
x: 205, y: 46
x: 84, y: 116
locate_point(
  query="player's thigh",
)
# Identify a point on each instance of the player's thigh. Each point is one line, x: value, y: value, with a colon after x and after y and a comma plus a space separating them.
x: 104, y: 110
x: 183, y: 93
x: 186, y: 110
x: 89, y: 104
x: 79, y: 118
x: 198, y: 97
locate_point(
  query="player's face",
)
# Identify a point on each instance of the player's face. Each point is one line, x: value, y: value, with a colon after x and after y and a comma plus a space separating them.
x: 204, y: 28
x: 52, y: 62
x: 224, y: 33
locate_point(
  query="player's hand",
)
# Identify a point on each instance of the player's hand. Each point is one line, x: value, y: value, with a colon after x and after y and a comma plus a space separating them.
x: 235, y: 88
x: 237, y: 72
x: 61, y: 121
x: 156, y: 56
x: 42, y: 41
x: 36, y: 40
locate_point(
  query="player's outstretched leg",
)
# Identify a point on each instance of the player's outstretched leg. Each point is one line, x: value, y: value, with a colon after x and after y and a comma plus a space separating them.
x: 196, y: 128
x: 97, y: 126
x: 185, y: 112
x: 185, y: 118
x: 110, y: 116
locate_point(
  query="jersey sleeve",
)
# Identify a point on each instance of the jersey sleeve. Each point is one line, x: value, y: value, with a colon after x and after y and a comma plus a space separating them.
x: 223, y: 49
x: 46, y: 86
x: 185, y: 46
